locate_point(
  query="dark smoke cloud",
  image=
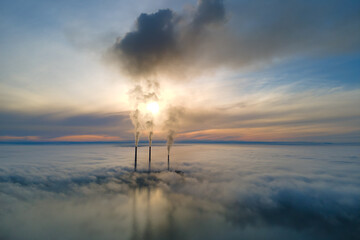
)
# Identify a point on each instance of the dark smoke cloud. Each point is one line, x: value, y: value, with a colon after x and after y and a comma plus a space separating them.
x: 150, y: 44
x: 161, y: 41
x: 209, y: 12
x: 236, y: 34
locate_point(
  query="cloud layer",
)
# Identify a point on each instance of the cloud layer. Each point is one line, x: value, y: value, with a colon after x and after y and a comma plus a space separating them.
x: 224, y: 192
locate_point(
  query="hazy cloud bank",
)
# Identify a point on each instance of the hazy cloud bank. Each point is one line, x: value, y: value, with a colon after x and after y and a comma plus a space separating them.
x: 250, y: 192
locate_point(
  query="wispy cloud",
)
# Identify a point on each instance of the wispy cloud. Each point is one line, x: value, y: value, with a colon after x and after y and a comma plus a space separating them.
x: 26, y: 138
x: 86, y: 138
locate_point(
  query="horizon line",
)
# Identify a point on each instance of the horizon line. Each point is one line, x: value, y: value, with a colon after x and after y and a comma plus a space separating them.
x: 145, y: 143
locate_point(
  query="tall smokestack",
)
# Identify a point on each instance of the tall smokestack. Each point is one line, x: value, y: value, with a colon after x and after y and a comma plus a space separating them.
x: 149, y: 158
x: 135, y: 164
x: 150, y: 124
x: 168, y: 160
x: 149, y: 154
x: 135, y: 120
x: 170, y: 141
x: 171, y: 124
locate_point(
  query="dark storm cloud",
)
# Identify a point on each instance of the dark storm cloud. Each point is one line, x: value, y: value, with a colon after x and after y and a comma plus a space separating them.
x: 237, y: 34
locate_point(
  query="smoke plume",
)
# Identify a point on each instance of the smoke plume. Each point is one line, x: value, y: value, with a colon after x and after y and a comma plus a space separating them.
x: 150, y: 126
x: 172, y: 124
x: 163, y: 42
x: 170, y: 45
x: 208, y: 12
x: 134, y: 115
x: 160, y: 43
x: 170, y: 139
x: 142, y: 93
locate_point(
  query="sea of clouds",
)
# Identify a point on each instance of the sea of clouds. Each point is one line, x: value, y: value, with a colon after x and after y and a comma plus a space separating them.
x: 216, y: 192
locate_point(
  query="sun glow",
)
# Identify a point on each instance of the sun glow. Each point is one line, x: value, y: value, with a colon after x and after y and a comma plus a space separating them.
x: 153, y: 107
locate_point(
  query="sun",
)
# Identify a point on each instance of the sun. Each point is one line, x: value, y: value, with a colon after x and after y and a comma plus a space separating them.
x: 153, y: 107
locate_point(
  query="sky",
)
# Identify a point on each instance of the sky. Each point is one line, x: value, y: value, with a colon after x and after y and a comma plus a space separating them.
x: 222, y: 70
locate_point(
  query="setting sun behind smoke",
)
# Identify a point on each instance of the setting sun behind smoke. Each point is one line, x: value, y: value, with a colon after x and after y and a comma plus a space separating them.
x: 153, y: 107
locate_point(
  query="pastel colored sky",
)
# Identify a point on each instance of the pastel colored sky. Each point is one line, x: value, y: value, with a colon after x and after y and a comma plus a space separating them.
x: 280, y: 71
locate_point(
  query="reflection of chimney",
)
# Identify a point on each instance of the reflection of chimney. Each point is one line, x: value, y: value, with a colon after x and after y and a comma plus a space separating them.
x: 148, y: 227
x: 135, y: 227
x: 171, y: 231
x: 135, y: 164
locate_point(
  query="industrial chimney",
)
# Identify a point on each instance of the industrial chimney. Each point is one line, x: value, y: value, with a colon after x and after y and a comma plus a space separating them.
x: 168, y: 161
x: 149, y: 158
x: 135, y: 164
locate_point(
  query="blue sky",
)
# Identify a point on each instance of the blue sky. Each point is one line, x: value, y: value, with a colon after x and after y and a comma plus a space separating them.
x: 270, y: 71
